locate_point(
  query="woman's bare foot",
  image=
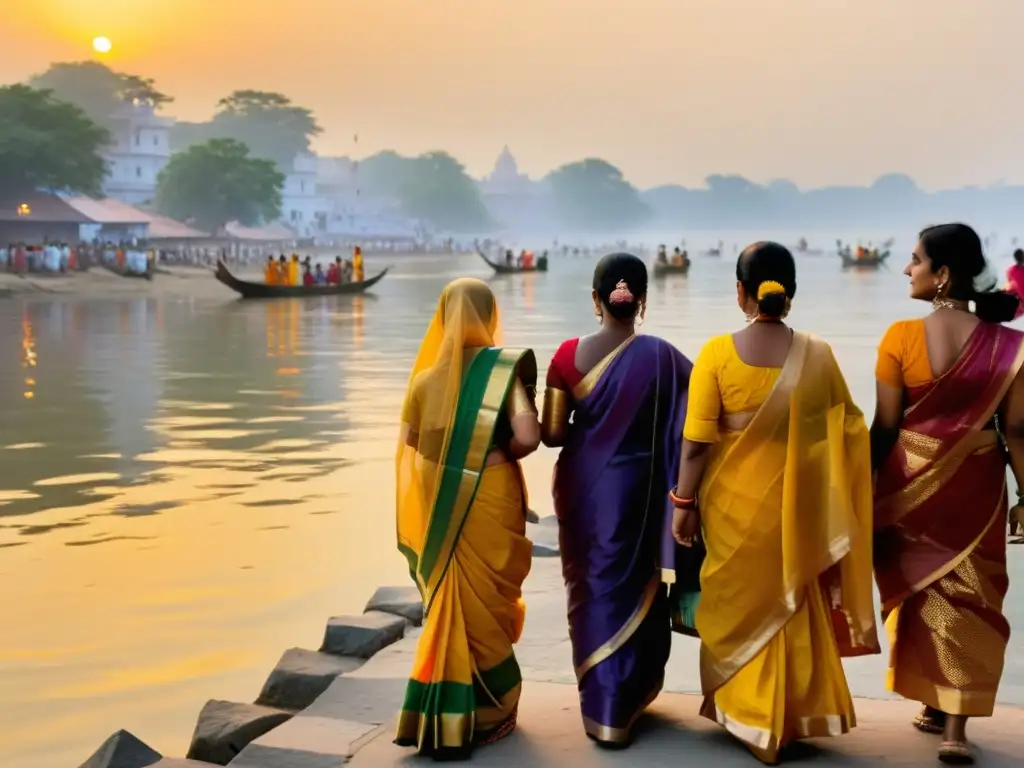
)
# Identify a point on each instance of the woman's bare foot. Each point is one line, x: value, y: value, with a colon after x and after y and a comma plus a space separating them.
x: 930, y: 721
x: 954, y: 749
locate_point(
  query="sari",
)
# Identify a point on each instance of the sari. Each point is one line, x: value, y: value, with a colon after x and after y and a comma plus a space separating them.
x: 786, y: 586
x: 1015, y: 285
x: 611, y: 480
x: 940, y: 544
x: 462, y: 528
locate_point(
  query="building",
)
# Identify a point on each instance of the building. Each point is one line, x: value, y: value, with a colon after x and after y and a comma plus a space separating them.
x: 354, y: 212
x: 303, y: 209
x: 140, y: 151
x: 112, y: 220
x: 37, y: 218
x: 516, y: 201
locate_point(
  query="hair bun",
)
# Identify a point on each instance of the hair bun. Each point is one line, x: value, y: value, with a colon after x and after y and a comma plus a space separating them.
x: 769, y: 288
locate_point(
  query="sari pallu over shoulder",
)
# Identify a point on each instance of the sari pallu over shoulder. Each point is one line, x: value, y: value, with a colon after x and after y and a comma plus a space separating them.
x: 465, y: 683
x: 486, y: 385
x: 610, y: 483
x: 943, y: 485
x: 791, y: 504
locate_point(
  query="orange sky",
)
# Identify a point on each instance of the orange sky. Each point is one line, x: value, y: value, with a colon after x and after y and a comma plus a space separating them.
x: 820, y: 91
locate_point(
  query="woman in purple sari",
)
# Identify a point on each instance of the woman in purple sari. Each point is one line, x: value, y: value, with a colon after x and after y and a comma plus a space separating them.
x: 626, y: 395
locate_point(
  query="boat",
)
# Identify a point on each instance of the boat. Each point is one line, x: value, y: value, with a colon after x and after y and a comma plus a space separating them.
x: 660, y: 270
x: 248, y: 290
x: 714, y: 252
x: 540, y: 265
x: 865, y: 262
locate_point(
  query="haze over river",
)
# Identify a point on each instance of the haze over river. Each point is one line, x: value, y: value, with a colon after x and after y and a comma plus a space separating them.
x: 189, y: 487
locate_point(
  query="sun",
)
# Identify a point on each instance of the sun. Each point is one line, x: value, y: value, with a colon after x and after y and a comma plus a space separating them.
x: 102, y: 45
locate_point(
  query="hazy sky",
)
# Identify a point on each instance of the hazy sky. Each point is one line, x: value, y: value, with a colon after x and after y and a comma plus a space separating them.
x: 820, y: 91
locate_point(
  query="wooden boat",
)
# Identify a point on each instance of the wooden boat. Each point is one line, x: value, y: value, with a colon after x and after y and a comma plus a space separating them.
x: 540, y: 265
x: 867, y: 262
x: 714, y: 252
x: 249, y: 290
x: 660, y: 270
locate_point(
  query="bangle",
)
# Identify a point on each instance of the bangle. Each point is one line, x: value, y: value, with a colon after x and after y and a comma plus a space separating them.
x: 680, y: 503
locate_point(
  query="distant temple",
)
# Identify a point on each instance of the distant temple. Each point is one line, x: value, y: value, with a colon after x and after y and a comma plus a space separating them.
x: 515, y: 200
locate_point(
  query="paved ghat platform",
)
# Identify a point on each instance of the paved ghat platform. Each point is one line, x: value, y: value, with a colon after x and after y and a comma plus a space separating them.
x: 353, y: 720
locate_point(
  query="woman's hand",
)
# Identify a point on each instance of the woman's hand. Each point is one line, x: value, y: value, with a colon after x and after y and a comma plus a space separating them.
x: 685, y: 524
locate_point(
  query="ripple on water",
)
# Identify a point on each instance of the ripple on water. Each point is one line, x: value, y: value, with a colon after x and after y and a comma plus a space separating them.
x: 94, y: 477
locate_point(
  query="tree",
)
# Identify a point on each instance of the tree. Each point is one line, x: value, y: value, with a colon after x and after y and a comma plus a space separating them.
x: 96, y: 89
x: 433, y: 187
x: 215, y: 183
x: 268, y: 123
x: 592, y: 194
x: 48, y: 144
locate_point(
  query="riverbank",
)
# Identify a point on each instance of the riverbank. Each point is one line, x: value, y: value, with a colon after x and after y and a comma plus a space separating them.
x: 361, y: 671
x: 99, y: 283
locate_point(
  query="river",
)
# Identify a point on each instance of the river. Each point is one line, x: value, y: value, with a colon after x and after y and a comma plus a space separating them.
x: 190, y: 486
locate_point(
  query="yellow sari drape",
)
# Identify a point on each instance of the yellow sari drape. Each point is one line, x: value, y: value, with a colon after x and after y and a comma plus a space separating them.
x: 462, y: 528
x: 786, y: 587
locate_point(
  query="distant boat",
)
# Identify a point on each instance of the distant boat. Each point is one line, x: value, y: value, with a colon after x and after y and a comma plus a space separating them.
x: 249, y: 290
x: 660, y: 270
x: 540, y: 265
x: 864, y: 262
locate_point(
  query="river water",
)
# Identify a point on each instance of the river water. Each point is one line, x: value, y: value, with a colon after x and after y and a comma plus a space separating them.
x: 190, y: 486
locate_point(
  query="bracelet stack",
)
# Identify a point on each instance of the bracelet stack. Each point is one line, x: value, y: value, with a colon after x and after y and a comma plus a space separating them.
x: 681, y: 503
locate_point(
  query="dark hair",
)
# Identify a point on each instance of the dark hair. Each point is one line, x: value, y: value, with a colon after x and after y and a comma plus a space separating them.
x: 765, y: 261
x: 958, y: 248
x: 627, y: 268
x: 1018, y: 256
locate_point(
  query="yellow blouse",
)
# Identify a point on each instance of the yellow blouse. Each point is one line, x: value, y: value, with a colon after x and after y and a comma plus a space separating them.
x: 903, y: 355
x: 721, y: 384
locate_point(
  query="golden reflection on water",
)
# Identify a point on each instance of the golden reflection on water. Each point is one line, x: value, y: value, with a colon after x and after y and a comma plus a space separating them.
x: 166, y: 535
x: 28, y: 356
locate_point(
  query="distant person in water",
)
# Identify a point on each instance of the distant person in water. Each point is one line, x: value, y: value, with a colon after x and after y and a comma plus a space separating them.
x: 1015, y: 279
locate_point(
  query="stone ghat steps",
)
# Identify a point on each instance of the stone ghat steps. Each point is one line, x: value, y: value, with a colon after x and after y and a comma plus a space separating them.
x: 224, y: 729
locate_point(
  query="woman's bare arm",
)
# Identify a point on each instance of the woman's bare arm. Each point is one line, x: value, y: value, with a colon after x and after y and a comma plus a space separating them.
x: 685, y: 522
x: 1011, y: 417
x: 885, y: 428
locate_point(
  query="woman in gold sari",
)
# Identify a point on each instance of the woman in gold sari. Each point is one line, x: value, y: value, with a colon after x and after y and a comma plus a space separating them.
x: 945, y: 383
x: 775, y: 472
x: 469, y: 416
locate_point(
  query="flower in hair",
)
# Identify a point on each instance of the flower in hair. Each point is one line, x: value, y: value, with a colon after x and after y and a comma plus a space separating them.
x: 621, y: 294
x: 768, y: 287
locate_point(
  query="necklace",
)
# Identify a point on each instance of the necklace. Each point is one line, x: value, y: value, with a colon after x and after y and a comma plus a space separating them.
x: 938, y: 304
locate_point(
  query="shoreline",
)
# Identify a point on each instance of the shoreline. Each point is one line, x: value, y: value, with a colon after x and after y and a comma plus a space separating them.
x: 337, y: 704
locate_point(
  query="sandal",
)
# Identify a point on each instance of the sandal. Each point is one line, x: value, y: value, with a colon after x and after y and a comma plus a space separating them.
x: 955, y: 753
x: 930, y: 721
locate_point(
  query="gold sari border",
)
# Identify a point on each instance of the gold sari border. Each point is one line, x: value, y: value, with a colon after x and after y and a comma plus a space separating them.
x: 621, y: 736
x: 616, y: 641
x: 432, y: 732
x: 586, y: 386
x: 953, y: 701
x: 894, y: 602
x: 554, y: 421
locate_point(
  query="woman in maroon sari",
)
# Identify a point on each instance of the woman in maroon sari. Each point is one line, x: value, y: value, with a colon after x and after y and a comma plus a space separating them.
x: 945, y: 382
x: 620, y: 454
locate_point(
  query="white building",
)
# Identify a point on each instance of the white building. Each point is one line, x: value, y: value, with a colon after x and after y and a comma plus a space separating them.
x: 515, y: 200
x: 303, y: 209
x: 141, y: 150
x: 354, y: 212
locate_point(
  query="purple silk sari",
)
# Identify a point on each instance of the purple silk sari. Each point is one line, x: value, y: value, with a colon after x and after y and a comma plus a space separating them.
x: 611, y: 484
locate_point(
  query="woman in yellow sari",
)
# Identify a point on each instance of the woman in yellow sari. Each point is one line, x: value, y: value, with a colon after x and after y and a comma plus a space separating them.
x: 469, y: 416
x: 358, y: 275
x: 945, y: 382
x: 776, y: 474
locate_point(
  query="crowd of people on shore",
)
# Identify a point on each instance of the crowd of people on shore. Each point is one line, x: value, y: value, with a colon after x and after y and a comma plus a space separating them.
x: 740, y: 498
x: 285, y: 271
